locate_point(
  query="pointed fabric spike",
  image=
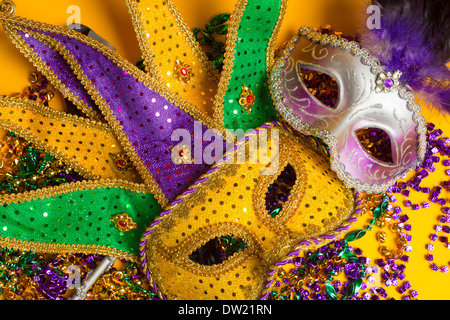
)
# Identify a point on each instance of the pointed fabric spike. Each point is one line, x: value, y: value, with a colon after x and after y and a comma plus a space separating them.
x: 78, y: 218
x: 249, y: 54
x: 172, y: 54
x: 84, y: 145
x: 141, y: 111
x: 57, y: 72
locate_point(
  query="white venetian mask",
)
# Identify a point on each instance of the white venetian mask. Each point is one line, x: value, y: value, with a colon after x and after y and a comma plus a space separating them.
x: 368, y: 98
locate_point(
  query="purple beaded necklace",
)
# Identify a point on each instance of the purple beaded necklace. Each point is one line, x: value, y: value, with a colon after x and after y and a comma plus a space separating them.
x: 438, y: 147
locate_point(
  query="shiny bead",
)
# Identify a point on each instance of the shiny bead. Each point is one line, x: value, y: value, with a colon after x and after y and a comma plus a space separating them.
x: 402, y: 242
x: 34, y: 78
x: 382, y: 236
x: 8, y: 7
x: 396, y: 228
x: 246, y: 99
x: 385, y: 252
x: 49, y: 95
x: 123, y: 222
x: 380, y: 224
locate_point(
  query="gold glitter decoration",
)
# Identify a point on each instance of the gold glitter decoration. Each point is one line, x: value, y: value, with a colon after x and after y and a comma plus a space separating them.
x: 123, y: 222
x: 182, y: 72
x: 121, y: 161
x: 181, y: 154
x: 247, y: 99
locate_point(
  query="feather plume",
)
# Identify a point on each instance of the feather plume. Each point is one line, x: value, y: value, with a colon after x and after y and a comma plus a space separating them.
x: 414, y: 37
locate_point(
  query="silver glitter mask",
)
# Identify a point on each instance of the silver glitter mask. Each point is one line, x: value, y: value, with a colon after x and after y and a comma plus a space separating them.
x: 368, y: 98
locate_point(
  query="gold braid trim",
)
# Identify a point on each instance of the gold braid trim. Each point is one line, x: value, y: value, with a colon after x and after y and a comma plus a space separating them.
x: 229, y: 54
x: 147, y: 54
x: 270, y: 60
x: 49, y: 192
x: 20, y: 245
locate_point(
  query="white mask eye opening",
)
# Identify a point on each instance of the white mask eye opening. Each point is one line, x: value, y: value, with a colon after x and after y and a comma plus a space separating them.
x: 377, y: 144
x: 321, y: 86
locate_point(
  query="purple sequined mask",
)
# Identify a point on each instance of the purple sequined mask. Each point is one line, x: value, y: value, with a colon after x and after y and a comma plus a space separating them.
x: 368, y: 98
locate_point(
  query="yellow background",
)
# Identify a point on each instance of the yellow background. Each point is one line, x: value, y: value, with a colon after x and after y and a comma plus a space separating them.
x: 109, y: 18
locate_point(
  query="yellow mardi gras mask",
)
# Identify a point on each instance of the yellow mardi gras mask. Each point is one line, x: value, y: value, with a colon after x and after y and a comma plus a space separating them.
x: 220, y: 239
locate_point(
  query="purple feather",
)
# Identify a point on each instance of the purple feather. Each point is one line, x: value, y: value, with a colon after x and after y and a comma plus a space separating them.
x: 414, y: 38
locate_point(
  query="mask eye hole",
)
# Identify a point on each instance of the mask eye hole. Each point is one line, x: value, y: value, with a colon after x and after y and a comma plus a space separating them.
x: 377, y: 143
x: 322, y: 86
x: 279, y: 191
x: 217, y: 250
